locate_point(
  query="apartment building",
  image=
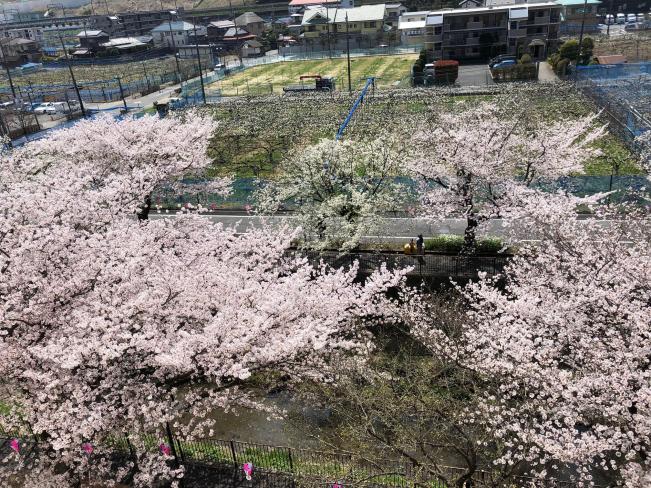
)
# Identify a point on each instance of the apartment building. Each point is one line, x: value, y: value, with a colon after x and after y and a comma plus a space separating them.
x: 132, y: 24
x: 573, y: 16
x: 481, y: 32
x: 367, y: 20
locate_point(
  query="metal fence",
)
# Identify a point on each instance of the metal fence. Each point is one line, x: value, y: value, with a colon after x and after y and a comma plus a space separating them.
x: 623, y: 91
x: 428, y: 265
x: 308, y: 467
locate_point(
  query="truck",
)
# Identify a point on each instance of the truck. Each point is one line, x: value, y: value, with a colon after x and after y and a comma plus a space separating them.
x: 321, y: 83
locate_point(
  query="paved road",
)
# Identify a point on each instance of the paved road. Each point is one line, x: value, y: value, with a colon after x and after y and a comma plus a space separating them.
x: 474, y: 75
x: 392, y: 229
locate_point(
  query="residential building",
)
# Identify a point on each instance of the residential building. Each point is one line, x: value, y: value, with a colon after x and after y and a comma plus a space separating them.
x: 299, y: 6
x: 393, y: 13
x: 123, y: 45
x: 412, y: 28
x: 91, y: 39
x: 179, y: 30
x: 367, y: 20
x: 251, y: 49
x: 235, y: 37
x: 217, y: 29
x: 132, y: 24
x: 572, y: 16
x: 17, y: 51
x: 481, y: 32
x: 250, y: 21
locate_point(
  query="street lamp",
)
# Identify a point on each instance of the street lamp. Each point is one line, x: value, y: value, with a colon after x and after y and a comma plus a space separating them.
x: 169, y: 23
x: 65, y: 52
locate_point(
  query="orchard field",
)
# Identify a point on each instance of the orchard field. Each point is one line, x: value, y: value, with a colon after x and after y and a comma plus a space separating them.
x: 255, y: 134
x: 132, y: 71
x: 390, y: 71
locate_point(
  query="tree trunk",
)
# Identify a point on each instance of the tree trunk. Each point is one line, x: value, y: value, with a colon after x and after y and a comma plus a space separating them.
x: 143, y: 214
x: 472, y: 222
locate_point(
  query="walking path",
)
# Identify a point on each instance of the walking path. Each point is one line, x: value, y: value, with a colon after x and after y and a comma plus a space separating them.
x: 546, y: 73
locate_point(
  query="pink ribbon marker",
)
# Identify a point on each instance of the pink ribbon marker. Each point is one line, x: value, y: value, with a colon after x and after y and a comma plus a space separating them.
x: 248, y: 470
x: 336, y: 485
x: 87, y: 447
x: 165, y: 449
x: 13, y: 443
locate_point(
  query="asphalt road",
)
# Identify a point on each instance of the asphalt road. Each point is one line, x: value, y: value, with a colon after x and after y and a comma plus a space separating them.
x: 391, y: 229
x: 474, y: 75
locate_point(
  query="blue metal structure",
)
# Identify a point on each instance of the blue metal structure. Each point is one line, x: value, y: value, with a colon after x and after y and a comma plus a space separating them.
x: 370, y: 82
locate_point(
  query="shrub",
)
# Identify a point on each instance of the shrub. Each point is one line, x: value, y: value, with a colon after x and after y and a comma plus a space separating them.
x: 452, y: 244
x: 553, y: 60
x: 570, y: 50
x: 561, y: 66
x: 526, y: 59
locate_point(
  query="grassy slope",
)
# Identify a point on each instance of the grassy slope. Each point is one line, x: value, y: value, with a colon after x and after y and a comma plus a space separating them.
x: 390, y: 71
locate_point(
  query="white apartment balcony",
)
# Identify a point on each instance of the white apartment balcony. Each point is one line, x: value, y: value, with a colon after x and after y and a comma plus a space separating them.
x: 541, y: 20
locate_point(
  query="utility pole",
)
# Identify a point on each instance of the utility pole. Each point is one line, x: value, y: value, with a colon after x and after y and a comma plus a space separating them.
x: 350, y: 87
x: 585, y: 6
x: 4, y: 61
x: 196, y: 45
x: 328, y: 28
x: 69, y: 62
x: 176, y: 58
x: 124, y: 102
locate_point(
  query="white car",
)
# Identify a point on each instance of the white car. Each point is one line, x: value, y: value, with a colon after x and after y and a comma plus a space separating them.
x: 50, y: 108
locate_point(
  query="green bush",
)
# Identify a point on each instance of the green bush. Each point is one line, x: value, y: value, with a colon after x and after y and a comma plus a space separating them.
x: 526, y: 59
x: 570, y: 50
x: 561, y: 66
x: 452, y: 244
x: 553, y: 60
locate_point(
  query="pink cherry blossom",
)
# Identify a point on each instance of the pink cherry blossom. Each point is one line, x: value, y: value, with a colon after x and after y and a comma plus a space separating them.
x: 14, y: 444
x: 165, y: 449
x: 248, y: 470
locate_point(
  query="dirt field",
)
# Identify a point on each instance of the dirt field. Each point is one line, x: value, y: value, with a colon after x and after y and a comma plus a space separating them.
x: 389, y: 71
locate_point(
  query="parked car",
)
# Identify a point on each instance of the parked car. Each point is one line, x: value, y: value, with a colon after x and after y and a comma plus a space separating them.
x: 621, y: 18
x: 500, y: 58
x: 505, y: 64
x: 641, y: 17
x: 50, y: 108
x: 6, y: 105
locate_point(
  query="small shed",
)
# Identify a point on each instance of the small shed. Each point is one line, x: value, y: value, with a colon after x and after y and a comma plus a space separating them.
x: 611, y: 59
x: 251, y: 48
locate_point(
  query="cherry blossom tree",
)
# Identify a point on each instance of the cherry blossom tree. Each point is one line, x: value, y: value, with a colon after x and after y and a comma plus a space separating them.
x: 566, y: 333
x: 111, y: 323
x: 473, y: 163
x: 340, y: 189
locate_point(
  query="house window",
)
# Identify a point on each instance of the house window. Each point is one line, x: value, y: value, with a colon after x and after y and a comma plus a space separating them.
x: 372, y: 25
x: 437, y: 46
x: 437, y: 31
x: 475, y: 18
x: 514, y: 25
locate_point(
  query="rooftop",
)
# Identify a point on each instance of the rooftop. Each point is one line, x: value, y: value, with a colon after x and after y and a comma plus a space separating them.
x: 177, y: 25
x: 465, y: 11
x: 365, y: 13
x: 248, y: 18
x: 565, y: 3
x: 123, y: 43
x: 92, y: 33
x: 301, y: 3
x: 223, y: 24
